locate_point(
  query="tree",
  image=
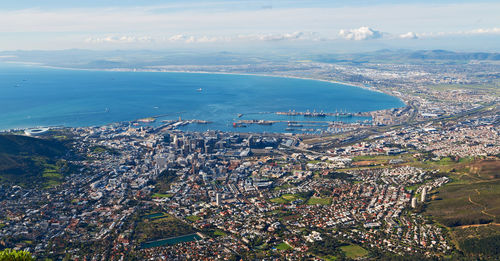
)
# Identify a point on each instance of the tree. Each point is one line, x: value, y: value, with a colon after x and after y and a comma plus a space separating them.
x: 15, y: 255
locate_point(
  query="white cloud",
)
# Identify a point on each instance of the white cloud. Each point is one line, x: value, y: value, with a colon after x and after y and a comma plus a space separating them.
x: 119, y: 39
x: 408, y: 35
x: 208, y: 39
x: 276, y: 36
x: 362, y: 33
x: 177, y: 37
x: 186, y: 38
x: 190, y: 39
x: 194, y: 39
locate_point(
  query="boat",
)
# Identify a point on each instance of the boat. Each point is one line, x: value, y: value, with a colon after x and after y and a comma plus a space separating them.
x: 199, y: 89
x: 147, y: 120
x: 239, y: 125
x: 314, y: 114
x: 263, y: 122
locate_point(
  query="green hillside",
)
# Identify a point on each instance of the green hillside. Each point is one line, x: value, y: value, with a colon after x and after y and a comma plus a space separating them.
x: 30, y: 161
x: 469, y: 207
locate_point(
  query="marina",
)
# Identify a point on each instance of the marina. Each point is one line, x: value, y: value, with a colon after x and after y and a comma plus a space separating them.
x: 322, y: 114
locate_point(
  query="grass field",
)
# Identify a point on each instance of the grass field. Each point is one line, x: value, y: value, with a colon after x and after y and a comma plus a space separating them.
x: 319, y: 201
x: 193, y: 218
x: 283, y: 246
x: 219, y: 233
x: 283, y: 187
x: 52, y: 175
x: 354, y: 251
x: 285, y: 198
x: 159, y: 195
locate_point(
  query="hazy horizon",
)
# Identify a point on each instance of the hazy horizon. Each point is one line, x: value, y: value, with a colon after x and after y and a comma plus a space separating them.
x: 332, y: 26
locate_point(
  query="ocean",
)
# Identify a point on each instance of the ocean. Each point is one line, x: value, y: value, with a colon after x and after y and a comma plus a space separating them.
x: 32, y: 96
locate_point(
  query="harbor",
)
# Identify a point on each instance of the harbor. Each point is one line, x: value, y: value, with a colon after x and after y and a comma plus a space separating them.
x: 314, y: 113
x: 291, y: 121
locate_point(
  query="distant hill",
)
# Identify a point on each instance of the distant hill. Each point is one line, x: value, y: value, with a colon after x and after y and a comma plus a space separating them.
x: 447, y: 55
x: 28, y: 161
x: 90, y: 59
x: 145, y: 59
x: 408, y: 56
x: 24, y: 145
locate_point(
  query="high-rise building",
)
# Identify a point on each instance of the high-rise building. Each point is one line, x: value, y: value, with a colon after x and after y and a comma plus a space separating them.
x: 217, y: 199
x: 176, y: 142
x: 414, y: 202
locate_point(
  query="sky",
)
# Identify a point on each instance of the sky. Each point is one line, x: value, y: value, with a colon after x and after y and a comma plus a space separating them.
x: 226, y: 24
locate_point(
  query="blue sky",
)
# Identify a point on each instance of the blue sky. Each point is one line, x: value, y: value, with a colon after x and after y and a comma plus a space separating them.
x: 335, y: 25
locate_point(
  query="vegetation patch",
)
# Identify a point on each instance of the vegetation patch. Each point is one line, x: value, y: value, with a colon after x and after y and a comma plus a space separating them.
x: 30, y: 162
x: 328, y: 247
x: 103, y: 150
x: 354, y: 251
x: 164, y: 180
x: 283, y: 246
x: 412, y: 188
x: 193, y: 218
x: 278, y: 200
x: 283, y: 187
x: 15, y: 255
x: 219, y: 233
x: 472, y: 198
x: 159, y: 195
x: 159, y: 227
x: 319, y: 201
x: 471, y: 238
x: 287, y: 198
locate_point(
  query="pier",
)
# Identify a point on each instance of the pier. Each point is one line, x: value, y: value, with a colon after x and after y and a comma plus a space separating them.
x: 322, y: 114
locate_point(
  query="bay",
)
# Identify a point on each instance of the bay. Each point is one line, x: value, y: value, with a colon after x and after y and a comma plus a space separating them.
x: 32, y: 96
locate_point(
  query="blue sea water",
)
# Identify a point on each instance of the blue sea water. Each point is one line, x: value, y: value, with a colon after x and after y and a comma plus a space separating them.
x: 35, y: 96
